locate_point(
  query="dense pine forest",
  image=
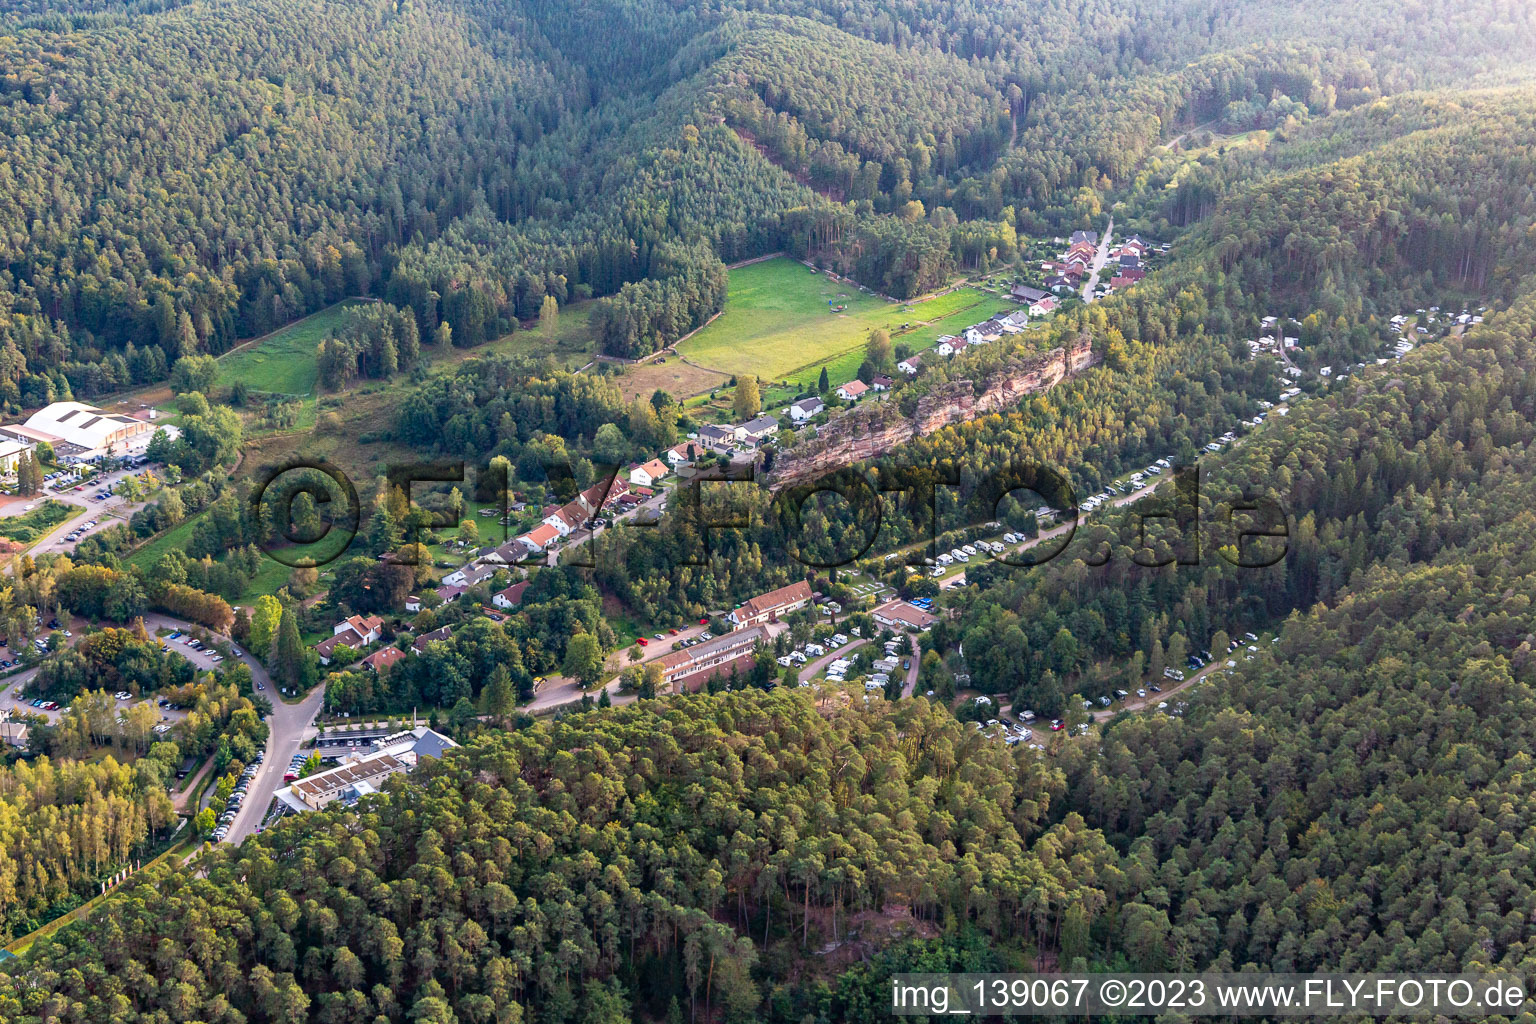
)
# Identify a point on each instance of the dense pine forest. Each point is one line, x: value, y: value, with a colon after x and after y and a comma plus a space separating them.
x: 1356, y: 795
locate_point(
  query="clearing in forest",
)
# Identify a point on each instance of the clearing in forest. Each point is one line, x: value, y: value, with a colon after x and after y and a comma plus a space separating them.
x: 782, y: 321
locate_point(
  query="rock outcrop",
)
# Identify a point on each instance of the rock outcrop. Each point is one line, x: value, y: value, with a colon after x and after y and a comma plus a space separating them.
x: 878, y: 428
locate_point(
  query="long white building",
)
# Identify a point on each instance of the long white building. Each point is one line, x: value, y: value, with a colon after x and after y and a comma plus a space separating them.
x: 83, y: 431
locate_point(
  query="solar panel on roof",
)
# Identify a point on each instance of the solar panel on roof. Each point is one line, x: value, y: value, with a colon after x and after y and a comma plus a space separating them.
x: 92, y: 421
x: 68, y: 415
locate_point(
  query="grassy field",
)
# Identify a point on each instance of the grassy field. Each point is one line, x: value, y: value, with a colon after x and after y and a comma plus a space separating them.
x: 573, y: 346
x: 777, y: 323
x: 29, y: 526
x: 283, y: 361
x: 271, y: 577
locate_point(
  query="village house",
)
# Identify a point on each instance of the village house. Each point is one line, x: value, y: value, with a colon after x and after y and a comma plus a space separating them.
x: 806, y: 408
x: 420, y: 644
x: 851, y: 391
x: 880, y: 382
x: 683, y: 454
x: 538, y: 539
x: 567, y: 518
x: 902, y: 615
x: 721, y: 439
x: 754, y: 430
x: 509, y: 553
x: 911, y: 364
x: 511, y: 597
x: 413, y: 603
x: 369, y: 627
x: 347, y: 636
x: 770, y: 606
x: 1088, y: 237
x: 1024, y: 293
x: 1058, y: 284
x: 648, y: 474
x: 950, y: 345
x: 383, y: 658
x: 470, y: 575
x: 1045, y: 307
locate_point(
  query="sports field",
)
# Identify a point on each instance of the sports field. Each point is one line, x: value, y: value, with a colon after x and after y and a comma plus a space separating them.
x: 779, y: 323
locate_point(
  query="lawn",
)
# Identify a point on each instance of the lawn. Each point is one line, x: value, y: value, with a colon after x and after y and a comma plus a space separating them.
x: 31, y: 525
x: 283, y: 362
x: 778, y: 325
x: 573, y: 346
x: 271, y: 576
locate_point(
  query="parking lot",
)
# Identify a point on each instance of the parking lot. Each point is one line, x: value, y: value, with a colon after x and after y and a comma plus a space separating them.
x: 99, y: 509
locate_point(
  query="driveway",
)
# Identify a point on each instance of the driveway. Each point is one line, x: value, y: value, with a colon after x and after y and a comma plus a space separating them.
x: 910, y: 687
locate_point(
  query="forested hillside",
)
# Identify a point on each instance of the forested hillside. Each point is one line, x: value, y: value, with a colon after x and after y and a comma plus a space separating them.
x: 1356, y: 795
x: 179, y: 176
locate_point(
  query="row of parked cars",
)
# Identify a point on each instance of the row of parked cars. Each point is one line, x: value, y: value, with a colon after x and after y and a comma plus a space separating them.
x: 80, y: 531
x: 194, y: 643
x: 236, y: 799
x: 646, y: 641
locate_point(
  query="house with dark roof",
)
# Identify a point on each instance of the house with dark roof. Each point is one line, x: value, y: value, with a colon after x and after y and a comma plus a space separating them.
x: 1024, y: 293
x: 347, y: 636
x: 420, y: 644
x: 757, y: 428
x: 805, y: 409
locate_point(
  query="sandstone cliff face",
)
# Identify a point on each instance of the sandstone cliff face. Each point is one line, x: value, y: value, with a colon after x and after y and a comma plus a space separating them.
x: 878, y: 428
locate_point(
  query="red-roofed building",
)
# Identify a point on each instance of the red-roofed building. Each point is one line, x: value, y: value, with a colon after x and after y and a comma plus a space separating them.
x: 511, y: 597
x: 383, y: 658
x: 768, y: 607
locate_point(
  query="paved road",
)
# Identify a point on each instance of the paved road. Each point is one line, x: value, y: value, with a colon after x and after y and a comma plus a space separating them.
x: 559, y: 690
x: 813, y: 667
x: 287, y: 728
x: 1099, y: 259
x: 910, y: 687
x: 107, y: 512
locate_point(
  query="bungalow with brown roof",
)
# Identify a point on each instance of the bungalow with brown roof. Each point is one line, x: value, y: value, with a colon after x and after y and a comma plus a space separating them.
x: 347, y: 636
x: 383, y: 658
x: 419, y: 645
x: 511, y: 597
